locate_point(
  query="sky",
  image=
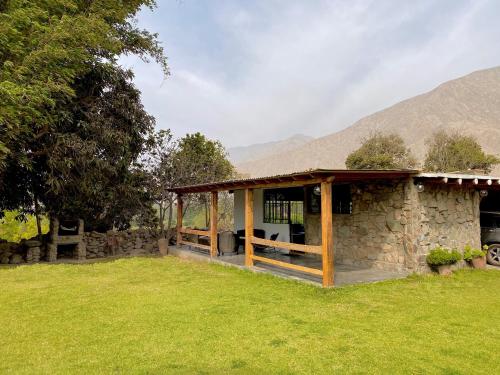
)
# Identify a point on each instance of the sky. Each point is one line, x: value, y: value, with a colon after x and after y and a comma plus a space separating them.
x: 246, y: 72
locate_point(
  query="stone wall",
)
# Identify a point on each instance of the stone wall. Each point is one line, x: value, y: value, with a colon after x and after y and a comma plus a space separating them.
x: 11, y: 253
x: 445, y: 215
x: 393, y: 227
x: 124, y: 243
x: 97, y: 245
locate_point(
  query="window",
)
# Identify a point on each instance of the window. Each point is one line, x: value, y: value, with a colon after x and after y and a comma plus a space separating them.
x: 341, y: 200
x: 284, y: 206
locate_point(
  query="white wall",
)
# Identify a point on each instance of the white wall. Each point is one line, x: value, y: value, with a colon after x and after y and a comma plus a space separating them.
x: 258, y: 209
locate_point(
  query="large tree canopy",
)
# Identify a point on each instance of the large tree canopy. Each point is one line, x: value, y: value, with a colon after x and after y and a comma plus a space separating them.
x: 457, y: 153
x: 45, y: 46
x: 71, y: 122
x: 381, y: 151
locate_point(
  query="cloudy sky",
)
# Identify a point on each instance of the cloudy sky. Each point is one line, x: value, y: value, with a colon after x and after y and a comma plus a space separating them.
x: 254, y: 71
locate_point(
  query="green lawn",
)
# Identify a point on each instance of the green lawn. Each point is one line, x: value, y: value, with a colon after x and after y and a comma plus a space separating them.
x: 154, y: 315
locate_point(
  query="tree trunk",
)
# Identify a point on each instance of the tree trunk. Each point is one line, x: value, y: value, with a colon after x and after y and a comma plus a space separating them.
x: 169, y: 222
x: 37, y: 217
x: 162, y: 220
x: 207, y: 216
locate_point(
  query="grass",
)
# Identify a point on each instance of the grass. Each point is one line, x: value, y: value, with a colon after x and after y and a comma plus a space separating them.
x: 165, y: 315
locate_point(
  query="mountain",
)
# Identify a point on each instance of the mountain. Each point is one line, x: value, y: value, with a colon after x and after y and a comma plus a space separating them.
x: 243, y: 154
x: 470, y: 105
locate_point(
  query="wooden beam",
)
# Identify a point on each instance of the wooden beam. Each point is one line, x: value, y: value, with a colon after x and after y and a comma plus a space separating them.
x: 267, y: 184
x: 179, y: 218
x: 194, y: 244
x: 213, y: 224
x: 248, y: 227
x: 287, y: 245
x: 195, y: 231
x: 327, y: 233
x: 291, y: 266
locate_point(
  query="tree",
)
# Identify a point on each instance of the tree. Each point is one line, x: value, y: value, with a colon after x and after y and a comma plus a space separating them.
x: 457, y: 153
x: 45, y: 46
x: 87, y: 165
x: 71, y: 122
x: 194, y: 159
x: 162, y: 174
x: 381, y: 151
x: 200, y: 160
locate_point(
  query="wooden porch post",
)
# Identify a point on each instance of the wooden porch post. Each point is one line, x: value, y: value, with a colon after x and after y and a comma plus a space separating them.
x: 327, y: 233
x: 248, y: 227
x: 179, y: 219
x: 213, y: 224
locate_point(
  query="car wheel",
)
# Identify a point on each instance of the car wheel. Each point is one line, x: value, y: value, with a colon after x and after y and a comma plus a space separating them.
x: 493, y: 255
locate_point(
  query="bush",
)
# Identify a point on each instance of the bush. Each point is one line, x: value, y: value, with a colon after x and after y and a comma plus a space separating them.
x: 470, y: 253
x: 441, y: 256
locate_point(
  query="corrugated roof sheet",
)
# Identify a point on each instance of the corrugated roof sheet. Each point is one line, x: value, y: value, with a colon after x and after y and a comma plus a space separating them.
x: 342, y: 174
x: 338, y: 174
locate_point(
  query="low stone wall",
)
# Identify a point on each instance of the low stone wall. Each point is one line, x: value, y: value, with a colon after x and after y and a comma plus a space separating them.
x: 124, y: 243
x: 97, y: 245
x: 12, y: 253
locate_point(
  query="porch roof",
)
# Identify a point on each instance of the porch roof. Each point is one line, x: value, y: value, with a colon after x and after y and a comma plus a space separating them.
x: 476, y: 180
x: 309, y: 177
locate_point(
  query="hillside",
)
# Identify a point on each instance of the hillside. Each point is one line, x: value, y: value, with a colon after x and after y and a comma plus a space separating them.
x: 470, y: 104
x: 243, y: 154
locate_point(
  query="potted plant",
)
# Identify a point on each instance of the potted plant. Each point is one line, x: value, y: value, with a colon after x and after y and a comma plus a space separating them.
x: 441, y: 259
x: 476, y: 257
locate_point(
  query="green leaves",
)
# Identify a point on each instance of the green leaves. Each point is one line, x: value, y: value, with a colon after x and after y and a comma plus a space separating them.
x: 381, y: 151
x: 71, y: 121
x: 46, y: 45
x: 471, y: 253
x: 457, y: 153
x: 441, y: 256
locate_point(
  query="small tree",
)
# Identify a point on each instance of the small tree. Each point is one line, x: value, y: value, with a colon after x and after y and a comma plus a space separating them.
x: 200, y: 160
x: 457, y: 153
x: 162, y: 174
x: 381, y: 151
x: 193, y: 159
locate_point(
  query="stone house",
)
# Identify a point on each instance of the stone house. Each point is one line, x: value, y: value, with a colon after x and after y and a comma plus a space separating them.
x: 387, y: 220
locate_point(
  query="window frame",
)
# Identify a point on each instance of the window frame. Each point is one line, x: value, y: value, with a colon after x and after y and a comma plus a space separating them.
x: 278, y: 206
x: 341, y: 200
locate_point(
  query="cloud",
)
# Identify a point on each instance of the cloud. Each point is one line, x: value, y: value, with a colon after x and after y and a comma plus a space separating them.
x: 246, y: 72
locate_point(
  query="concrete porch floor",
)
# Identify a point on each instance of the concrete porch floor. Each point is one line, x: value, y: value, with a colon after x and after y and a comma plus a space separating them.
x: 344, y: 274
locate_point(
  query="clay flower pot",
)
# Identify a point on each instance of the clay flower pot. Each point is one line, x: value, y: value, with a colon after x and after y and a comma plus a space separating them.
x: 444, y: 269
x: 479, y: 262
x: 163, y: 246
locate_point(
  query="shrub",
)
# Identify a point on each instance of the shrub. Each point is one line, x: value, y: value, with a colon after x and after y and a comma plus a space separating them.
x: 441, y: 256
x: 470, y: 253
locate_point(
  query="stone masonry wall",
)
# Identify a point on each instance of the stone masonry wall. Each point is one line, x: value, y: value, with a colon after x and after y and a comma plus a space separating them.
x: 12, y: 253
x: 125, y: 243
x: 393, y: 227
x: 446, y: 215
x: 375, y: 234
x: 98, y: 245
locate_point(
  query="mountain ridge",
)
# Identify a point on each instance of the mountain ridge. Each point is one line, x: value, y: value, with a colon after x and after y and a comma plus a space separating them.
x: 247, y: 153
x: 468, y: 104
